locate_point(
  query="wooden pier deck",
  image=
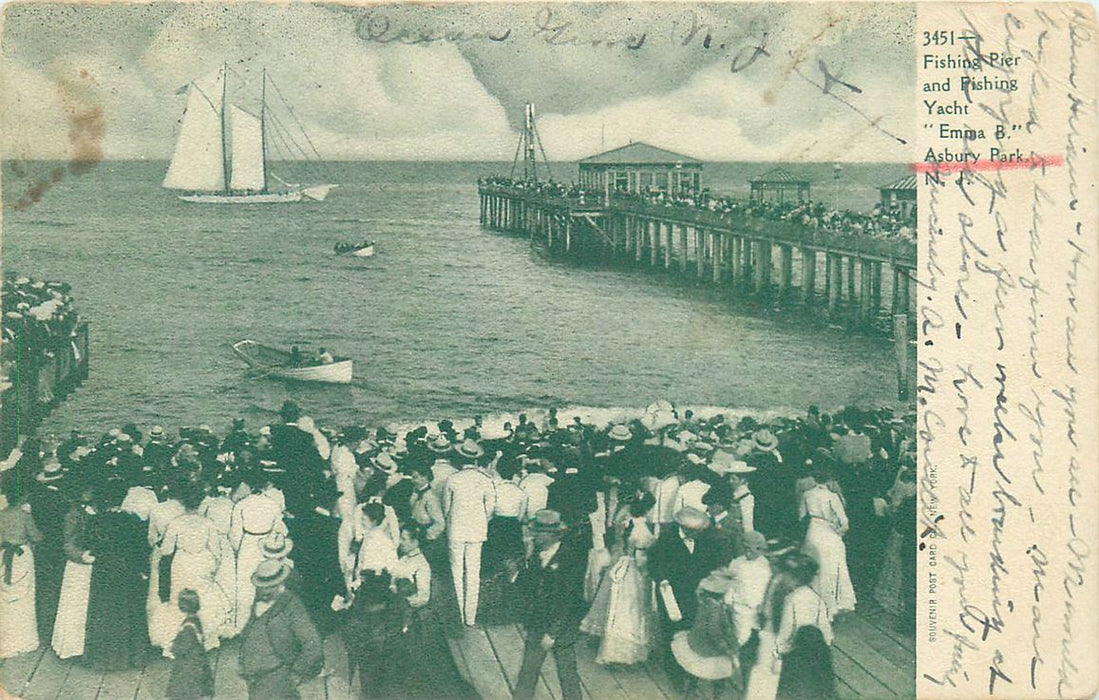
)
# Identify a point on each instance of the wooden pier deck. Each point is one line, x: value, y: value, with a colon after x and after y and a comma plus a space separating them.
x: 863, y: 278
x: 871, y: 660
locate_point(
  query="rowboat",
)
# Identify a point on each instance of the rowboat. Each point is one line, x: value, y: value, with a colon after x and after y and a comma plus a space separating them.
x: 362, y: 250
x: 274, y: 362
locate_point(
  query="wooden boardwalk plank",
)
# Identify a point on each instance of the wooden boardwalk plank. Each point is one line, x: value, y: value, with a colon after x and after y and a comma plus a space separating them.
x: 636, y: 682
x: 121, y: 685
x: 659, y: 677
x: 861, y: 682
x: 873, y: 614
x: 82, y: 683
x: 154, y: 681
x: 507, y: 644
x: 881, y: 643
x: 337, y: 669
x: 486, y: 673
x: 49, y: 677
x: 876, y: 664
x: 16, y: 672
x: 597, y: 681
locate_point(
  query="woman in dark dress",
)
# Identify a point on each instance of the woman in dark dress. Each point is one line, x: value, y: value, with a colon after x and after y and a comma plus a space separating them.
x: 117, y: 635
x: 807, y: 672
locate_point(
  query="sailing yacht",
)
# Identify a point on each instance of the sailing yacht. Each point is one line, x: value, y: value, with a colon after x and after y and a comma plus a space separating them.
x: 221, y: 152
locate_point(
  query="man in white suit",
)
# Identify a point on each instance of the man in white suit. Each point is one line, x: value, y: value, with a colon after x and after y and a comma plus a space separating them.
x: 468, y: 503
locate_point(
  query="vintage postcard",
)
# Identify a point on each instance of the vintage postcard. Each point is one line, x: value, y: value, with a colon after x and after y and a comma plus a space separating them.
x: 558, y: 350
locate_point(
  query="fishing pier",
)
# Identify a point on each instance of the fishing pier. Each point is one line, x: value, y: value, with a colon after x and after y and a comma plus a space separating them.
x: 643, y: 206
x: 774, y: 260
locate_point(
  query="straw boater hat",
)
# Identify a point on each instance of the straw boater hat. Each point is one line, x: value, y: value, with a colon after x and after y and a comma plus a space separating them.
x: 51, y: 470
x: 470, y: 449
x: 440, y: 444
x: 385, y: 462
x: 270, y: 572
x: 620, y: 433
x: 276, y: 545
x: 157, y: 431
x: 546, y: 520
x: 765, y: 440
x: 692, y: 518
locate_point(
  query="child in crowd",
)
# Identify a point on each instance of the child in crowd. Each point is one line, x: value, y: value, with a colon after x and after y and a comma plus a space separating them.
x: 191, y: 675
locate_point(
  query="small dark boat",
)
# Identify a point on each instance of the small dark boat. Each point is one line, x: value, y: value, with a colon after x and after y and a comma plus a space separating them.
x: 361, y: 250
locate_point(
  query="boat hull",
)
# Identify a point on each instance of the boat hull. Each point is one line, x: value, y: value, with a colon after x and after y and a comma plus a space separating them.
x: 317, y: 192
x: 335, y: 373
x: 273, y: 362
x: 262, y: 198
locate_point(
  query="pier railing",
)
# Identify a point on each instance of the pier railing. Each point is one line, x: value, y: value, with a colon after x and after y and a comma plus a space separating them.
x: 896, y: 251
x: 38, y: 379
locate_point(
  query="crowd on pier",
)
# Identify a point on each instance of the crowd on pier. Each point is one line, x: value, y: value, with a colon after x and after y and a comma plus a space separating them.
x: 39, y: 317
x: 723, y: 549
x: 883, y: 222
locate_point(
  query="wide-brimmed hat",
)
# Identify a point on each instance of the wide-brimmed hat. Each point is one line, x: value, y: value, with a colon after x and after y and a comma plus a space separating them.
x: 764, y: 440
x: 156, y: 431
x: 692, y: 518
x: 755, y: 540
x: 721, y: 462
x: 440, y: 444
x: 270, y: 572
x: 741, y: 467
x: 547, y: 520
x: 385, y: 462
x: 470, y: 449
x: 276, y: 545
x: 51, y: 470
x: 620, y: 433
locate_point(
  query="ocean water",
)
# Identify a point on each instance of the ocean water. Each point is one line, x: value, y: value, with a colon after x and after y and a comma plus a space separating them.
x: 447, y: 321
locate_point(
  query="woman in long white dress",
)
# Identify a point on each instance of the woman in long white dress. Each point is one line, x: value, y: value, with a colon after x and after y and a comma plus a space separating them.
x: 622, y: 612
x: 254, y: 517
x: 18, y: 626
x: 195, y: 545
x: 824, y: 543
x: 72, y: 606
x: 218, y: 507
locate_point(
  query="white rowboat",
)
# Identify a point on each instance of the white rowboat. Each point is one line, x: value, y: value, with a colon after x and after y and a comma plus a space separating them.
x: 274, y: 362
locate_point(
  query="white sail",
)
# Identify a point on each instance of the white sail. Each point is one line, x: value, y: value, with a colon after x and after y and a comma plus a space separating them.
x: 247, y: 150
x: 198, y: 161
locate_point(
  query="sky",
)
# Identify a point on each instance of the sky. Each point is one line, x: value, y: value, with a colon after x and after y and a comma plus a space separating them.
x: 405, y: 82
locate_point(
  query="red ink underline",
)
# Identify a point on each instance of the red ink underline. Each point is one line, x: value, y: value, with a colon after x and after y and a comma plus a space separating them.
x: 1031, y: 163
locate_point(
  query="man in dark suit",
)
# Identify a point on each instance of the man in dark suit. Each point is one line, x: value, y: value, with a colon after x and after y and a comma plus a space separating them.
x: 682, y: 556
x: 298, y: 465
x: 551, y: 587
x: 279, y: 648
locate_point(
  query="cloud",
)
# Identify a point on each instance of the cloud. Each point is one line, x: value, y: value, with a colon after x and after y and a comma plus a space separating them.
x: 720, y: 116
x: 463, y: 98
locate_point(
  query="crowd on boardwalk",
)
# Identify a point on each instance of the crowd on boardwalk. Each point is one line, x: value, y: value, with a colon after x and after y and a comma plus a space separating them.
x: 720, y: 548
x: 889, y: 223
x: 38, y: 315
